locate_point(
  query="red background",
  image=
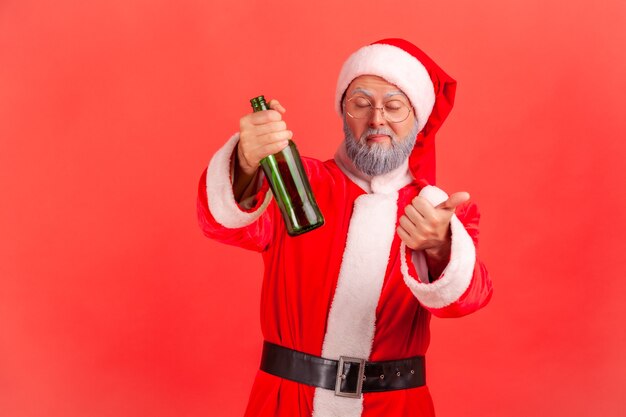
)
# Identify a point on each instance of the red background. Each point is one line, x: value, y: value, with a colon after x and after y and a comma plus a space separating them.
x: 112, y: 303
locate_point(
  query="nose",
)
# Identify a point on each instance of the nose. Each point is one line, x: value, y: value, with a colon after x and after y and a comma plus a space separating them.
x: 376, y: 118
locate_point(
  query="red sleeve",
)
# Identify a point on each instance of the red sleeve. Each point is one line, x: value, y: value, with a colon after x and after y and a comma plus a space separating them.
x: 221, y: 217
x: 464, y: 286
x: 480, y: 289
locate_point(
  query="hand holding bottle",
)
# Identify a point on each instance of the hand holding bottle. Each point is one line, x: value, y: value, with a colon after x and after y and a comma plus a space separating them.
x: 261, y: 134
x: 265, y: 141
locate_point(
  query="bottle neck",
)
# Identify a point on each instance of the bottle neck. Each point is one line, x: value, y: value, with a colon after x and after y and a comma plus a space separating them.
x: 259, y: 104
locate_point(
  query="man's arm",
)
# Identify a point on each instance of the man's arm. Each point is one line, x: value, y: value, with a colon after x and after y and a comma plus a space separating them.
x: 437, y: 258
x: 244, y: 185
x: 446, y: 277
x: 221, y: 216
x: 232, y: 199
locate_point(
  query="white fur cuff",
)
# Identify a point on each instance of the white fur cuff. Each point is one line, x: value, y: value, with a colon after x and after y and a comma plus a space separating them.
x: 219, y: 189
x: 456, y: 277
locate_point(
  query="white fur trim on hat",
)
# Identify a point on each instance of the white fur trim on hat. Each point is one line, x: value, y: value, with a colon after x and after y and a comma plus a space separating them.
x: 456, y: 277
x: 219, y: 187
x: 397, y: 67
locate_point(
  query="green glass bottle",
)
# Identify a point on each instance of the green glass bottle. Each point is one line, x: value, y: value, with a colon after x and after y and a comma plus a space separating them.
x: 290, y: 185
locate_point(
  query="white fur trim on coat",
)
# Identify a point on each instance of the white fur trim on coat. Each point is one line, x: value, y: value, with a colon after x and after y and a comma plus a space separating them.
x: 219, y: 189
x: 352, y: 317
x: 456, y: 277
x: 397, y: 67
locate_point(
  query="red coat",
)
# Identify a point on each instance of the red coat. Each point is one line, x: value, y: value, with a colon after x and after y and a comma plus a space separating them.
x: 348, y: 288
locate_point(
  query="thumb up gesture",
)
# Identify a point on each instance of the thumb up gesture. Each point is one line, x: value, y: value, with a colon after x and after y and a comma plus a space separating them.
x: 427, y: 227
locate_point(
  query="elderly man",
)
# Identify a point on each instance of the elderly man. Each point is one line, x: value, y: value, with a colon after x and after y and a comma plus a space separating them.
x: 345, y: 308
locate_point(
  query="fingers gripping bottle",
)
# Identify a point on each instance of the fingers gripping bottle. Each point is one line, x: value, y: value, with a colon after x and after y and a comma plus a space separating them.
x: 290, y: 185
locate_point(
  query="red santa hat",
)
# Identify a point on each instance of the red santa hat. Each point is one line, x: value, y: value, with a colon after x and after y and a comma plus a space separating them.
x: 428, y: 87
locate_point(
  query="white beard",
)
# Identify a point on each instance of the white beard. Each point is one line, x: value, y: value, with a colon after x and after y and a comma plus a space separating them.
x: 375, y: 159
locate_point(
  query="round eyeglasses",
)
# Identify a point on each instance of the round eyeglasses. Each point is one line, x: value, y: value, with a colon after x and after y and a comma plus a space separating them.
x: 394, y: 111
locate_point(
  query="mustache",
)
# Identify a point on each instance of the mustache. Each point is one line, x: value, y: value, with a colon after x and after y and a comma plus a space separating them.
x: 383, y: 130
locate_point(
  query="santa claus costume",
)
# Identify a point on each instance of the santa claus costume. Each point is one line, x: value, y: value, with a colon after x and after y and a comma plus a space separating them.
x: 352, y: 288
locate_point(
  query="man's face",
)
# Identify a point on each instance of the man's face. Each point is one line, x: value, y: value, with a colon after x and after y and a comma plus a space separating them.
x: 375, y: 145
x: 377, y: 91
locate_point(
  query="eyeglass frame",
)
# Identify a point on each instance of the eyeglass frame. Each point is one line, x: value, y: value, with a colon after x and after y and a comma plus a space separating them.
x: 382, y: 109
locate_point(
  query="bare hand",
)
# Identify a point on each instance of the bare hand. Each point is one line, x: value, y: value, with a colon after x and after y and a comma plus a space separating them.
x: 261, y: 134
x: 426, y: 227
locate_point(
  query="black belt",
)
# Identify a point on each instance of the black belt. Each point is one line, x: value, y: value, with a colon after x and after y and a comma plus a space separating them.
x: 348, y: 377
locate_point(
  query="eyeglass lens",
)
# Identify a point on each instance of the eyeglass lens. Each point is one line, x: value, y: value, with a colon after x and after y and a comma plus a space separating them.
x: 393, y: 110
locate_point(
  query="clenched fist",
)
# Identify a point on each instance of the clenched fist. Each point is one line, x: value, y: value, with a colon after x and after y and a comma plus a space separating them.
x: 427, y: 227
